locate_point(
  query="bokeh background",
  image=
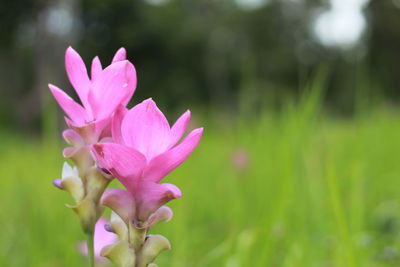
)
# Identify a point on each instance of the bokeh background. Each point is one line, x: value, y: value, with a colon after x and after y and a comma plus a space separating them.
x: 299, y: 164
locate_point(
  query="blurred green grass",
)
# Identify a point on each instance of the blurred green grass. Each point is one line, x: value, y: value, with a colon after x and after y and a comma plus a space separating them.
x: 318, y: 191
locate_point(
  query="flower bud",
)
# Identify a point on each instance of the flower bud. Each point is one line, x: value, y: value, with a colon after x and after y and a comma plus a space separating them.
x: 96, y: 183
x: 74, y: 186
x: 153, y: 246
x: 71, y: 182
x: 118, y: 226
x: 120, y: 253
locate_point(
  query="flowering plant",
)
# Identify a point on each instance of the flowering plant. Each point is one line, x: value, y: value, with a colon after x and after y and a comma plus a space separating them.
x: 137, y: 147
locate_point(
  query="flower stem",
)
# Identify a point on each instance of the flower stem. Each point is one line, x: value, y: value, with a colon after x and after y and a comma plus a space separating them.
x: 90, y: 247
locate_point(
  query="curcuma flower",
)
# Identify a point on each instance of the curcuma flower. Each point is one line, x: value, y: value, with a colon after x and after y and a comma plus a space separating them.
x: 89, y: 123
x: 146, y: 149
x: 100, y: 94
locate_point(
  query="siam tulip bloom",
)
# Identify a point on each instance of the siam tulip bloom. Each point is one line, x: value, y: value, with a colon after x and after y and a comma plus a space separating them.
x: 100, y: 94
x: 89, y: 123
x: 146, y: 149
x: 102, y: 238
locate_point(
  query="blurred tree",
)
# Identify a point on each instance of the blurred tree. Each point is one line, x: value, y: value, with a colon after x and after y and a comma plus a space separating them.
x: 383, y: 45
x: 215, y: 53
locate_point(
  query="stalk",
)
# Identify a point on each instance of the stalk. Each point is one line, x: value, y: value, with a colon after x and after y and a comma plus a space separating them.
x: 90, y: 248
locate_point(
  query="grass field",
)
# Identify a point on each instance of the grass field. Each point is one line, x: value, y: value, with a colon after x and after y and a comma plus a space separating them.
x: 317, y: 191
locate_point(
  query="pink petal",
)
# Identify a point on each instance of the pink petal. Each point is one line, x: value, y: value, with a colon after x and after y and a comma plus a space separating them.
x: 116, y: 124
x: 102, y: 237
x: 73, y: 110
x: 129, y: 93
x: 146, y: 129
x: 70, y: 151
x: 106, y: 134
x: 82, y: 247
x: 73, y: 138
x: 121, y: 202
x: 124, y: 163
x: 70, y: 123
x: 120, y: 55
x: 77, y: 74
x: 152, y: 196
x: 116, y: 83
x: 96, y: 68
x: 163, y: 214
x: 179, y: 128
x: 103, y: 128
x: 160, y: 166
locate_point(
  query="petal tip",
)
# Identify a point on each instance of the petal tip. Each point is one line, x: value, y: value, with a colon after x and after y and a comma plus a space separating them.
x: 149, y: 103
x: 198, y: 131
x: 120, y: 55
x: 173, y: 191
x: 186, y: 115
x: 96, y: 60
x: 70, y: 51
x: 177, y: 194
x: 52, y: 87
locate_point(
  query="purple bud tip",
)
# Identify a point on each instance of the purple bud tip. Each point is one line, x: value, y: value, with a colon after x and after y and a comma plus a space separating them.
x: 108, y: 228
x: 104, y: 170
x: 137, y: 224
x: 57, y: 183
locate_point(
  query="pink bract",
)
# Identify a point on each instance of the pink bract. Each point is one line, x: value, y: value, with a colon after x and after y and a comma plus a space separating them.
x: 146, y: 149
x: 100, y: 95
x: 102, y: 238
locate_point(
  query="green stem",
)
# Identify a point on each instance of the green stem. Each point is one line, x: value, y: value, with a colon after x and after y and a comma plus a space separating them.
x: 90, y: 247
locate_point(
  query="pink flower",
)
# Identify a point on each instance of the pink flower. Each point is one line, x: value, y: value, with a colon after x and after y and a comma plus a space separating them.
x: 240, y: 160
x: 102, y: 238
x: 100, y: 95
x: 146, y: 149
